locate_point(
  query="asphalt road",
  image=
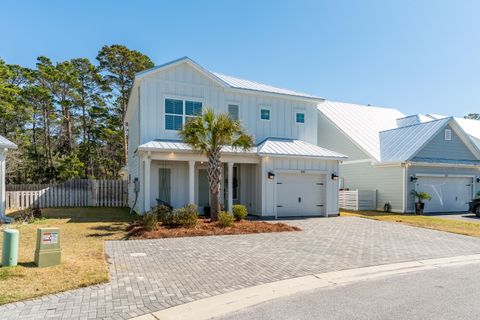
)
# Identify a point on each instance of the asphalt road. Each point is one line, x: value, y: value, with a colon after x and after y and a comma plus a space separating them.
x: 445, y: 293
x: 462, y: 216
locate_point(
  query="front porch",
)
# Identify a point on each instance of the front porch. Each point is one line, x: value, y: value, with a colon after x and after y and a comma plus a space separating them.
x: 180, y: 178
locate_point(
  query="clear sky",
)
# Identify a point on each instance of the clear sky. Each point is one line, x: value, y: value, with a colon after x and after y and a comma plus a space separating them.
x: 417, y: 56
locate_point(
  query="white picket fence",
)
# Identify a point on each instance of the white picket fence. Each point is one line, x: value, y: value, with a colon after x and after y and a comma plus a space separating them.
x: 73, y: 193
x: 357, y: 199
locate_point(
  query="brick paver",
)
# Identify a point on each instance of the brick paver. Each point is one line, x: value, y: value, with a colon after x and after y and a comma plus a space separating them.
x: 151, y: 275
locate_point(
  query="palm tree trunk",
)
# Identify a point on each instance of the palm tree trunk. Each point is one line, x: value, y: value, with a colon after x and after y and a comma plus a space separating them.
x: 214, y: 173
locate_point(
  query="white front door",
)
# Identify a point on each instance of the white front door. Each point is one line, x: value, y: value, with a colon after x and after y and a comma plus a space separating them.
x: 300, y: 194
x: 449, y: 194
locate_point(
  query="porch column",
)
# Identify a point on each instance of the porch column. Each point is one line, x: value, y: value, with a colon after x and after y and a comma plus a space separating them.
x: 2, y: 182
x: 146, y: 180
x: 191, y: 181
x: 230, y: 186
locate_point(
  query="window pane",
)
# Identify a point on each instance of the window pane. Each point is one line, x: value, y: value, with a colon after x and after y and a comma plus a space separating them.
x: 193, y: 108
x: 173, y: 106
x: 265, y: 114
x: 173, y: 122
x: 300, y: 117
x: 233, y: 111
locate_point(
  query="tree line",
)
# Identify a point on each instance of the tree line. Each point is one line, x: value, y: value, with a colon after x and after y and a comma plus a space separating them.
x: 67, y: 117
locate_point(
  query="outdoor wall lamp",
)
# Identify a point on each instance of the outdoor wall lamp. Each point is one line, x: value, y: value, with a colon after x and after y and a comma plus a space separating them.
x: 334, y: 176
x: 271, y: 175
x: 413, y: 178
x: 478, y: 179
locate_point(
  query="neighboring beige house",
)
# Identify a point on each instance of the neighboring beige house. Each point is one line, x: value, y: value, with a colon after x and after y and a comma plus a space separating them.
x: 5, y: 145
x: 395, y: 154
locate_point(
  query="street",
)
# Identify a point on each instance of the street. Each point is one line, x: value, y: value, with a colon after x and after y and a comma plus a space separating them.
x: 445, y: 293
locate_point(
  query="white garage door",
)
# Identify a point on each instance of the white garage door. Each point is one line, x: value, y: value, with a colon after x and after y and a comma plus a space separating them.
x: 449, y: 194
x: 300, y: 194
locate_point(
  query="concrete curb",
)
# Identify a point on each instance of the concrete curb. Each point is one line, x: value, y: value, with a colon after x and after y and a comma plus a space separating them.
x: 229, y: 302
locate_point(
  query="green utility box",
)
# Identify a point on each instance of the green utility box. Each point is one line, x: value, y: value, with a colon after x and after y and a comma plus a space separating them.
x: 10, y: 247
x: 48, y: 251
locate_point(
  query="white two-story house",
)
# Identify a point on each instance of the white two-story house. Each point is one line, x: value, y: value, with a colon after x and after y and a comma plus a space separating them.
x: 286, y: 173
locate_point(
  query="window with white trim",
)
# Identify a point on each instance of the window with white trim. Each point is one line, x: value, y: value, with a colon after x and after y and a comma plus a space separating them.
x: 448, y: 134
x: 264, y: 114
x: 233, y: 111
x: 300, y: 117
x: 177, y: 112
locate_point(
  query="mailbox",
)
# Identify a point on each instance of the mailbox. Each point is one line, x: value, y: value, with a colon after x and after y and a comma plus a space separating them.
x: 48, y: 251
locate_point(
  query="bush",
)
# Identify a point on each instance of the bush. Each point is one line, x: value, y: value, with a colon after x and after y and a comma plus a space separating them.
x: 28, y: 215
x: 184, y: 217
x: 225, y: 219
x: 239, y: 212
x: 149, y: 221
x: 162, y: 212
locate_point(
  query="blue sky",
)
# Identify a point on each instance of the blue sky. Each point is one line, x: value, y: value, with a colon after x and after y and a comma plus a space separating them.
x: 417, y: 56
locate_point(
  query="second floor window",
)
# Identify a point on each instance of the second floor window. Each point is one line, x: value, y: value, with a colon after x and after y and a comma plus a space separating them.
x: 300, y: 117
x: 178, y: 111
x: 265, y: 114
x: 233, y: 111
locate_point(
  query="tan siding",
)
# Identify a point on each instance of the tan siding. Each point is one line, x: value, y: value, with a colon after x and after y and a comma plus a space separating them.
x: 386, y: 180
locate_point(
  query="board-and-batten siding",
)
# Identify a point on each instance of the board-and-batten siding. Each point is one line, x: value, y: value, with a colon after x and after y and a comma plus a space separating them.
x: 331, y: 138
x: 438, y: 147
x: 184, y: 82
x: 418, y: 170
x: 296, y: 165
x: 386, y: 180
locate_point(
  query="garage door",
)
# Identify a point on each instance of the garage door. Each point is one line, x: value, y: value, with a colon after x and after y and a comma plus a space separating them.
x: 300, y: 194
x: 449, y: 194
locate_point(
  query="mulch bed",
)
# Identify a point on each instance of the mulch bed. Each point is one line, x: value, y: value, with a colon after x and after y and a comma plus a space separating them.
x: 205, y: 227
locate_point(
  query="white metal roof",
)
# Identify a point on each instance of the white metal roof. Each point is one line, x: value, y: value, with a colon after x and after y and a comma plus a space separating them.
x: 179, y: 146
x: 293, y: 147
x: 360, y: 123
x: 269, y: 147
x: 257, y: 86
x: 403, y: 143
x: 5, y: 143
x: 228, y: 81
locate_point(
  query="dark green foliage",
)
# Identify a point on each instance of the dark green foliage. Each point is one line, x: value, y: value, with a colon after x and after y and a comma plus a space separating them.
x: 474, y: 116
x: 240, y: 212
x: 67, y: 117
x: 225, y: 219
x: 186, y: 217
x: 28, y: 215
x: 149, y: 221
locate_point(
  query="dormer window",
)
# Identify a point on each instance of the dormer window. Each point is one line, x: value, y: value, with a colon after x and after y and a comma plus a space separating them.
x: 448, y: 134
x: 264, y: 113
x: 300, y: 117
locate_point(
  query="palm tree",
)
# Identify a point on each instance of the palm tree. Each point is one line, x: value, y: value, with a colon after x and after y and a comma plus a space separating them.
x: 208, y: 133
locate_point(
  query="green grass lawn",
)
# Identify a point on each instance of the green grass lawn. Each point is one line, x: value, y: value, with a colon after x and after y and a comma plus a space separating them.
x: 82, y: 233
x: 447, y: 225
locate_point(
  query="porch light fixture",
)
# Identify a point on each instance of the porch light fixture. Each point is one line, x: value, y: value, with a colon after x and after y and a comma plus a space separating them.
x: 413, y: 178
x: 334, y: 176
x: 271, y: 175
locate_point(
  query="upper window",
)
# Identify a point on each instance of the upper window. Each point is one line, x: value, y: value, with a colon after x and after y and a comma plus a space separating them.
x: 178, y: 111
x: 233, y: 111
x: 300, y: 117
x: 448, y: 134
x: 265, y: 114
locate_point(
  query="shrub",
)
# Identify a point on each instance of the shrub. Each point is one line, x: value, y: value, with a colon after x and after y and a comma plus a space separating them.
x: 239, y: 212
x: 149, y: 221
x: 28, y: 215
x: 225, y: 219
x: 162, y: 212
x: 184, y: 217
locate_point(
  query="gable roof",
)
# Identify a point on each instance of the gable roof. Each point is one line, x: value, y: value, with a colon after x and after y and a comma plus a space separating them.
x: 361, y: 124
x: 6, y: 144
x: 228, y: 81
x: 403, y: 143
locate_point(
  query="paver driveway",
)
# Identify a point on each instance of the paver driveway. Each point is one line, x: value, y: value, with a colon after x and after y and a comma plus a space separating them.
x: 151, y: 275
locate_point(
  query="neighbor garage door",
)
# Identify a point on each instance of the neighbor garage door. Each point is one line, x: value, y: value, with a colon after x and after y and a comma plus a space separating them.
x: 300, y: 194
x: 449, y: 194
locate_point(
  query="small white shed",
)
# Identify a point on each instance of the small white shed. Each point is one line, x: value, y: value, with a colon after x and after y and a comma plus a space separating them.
x: 5, y: 144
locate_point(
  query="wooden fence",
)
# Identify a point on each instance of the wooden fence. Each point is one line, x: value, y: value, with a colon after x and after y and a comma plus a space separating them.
x: 357, y: 199
x: 73, y: 193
